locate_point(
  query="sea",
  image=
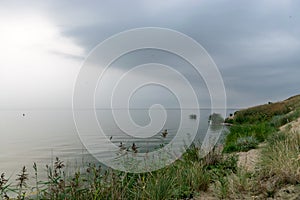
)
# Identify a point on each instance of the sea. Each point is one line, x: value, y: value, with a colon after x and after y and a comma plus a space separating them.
x: 41, y: 135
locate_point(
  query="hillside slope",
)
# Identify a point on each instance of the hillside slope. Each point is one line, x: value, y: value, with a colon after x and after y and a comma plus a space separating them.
x: 266, y: 112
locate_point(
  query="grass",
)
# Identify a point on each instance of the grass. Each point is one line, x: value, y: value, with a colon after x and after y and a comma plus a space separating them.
x: 279, y: 163
x: 266, y: 112
x: 237, y: 185
x: 278, y: 168
x: 247, y: 136
x: 280, y: 120
x: 185, y: 178
x: 281, y: 160
x: 261, y: 113
x: 254, y: 125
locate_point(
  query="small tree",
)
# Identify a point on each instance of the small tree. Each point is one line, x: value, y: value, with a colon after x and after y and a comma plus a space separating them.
x: 216, y: 118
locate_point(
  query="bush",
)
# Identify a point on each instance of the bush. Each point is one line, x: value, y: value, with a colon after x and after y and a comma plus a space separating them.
x: 246, y: 143
x: 216, y: 118
x: 229, y: 120
x: 242, y: 144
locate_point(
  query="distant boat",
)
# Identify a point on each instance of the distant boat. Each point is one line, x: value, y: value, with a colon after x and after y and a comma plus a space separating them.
x: 193, y: 116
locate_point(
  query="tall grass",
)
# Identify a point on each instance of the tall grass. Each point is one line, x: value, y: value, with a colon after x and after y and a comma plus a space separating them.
x: 185, y: 178
x: 237, y: 185
x: 278, y: 167
x: 254, y: 125
x: 281, y: 160
x: 246, y: 136
x: 280, y: 120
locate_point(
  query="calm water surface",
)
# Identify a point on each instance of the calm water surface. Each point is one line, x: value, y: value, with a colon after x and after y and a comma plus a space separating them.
x: 42, y: 135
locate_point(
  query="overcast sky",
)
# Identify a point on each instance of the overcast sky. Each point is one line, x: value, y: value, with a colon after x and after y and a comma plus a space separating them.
x: 255, y: 44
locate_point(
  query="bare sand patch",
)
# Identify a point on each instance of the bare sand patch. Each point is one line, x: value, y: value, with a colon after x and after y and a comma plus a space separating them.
x: 293, y: 126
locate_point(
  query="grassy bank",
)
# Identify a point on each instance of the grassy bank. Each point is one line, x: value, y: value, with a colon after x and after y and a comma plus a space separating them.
x: 254, y: 125
x: 277, y: 171
x: 266, y: 112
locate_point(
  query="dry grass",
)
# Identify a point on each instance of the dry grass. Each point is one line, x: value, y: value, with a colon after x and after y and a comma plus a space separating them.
x: 235, y: 186
x: 281, y: 161
x: 278, y: 168
x: 265, y: 112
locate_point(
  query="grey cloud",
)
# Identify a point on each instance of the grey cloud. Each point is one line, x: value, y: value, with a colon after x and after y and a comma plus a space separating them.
x: 254, y: 43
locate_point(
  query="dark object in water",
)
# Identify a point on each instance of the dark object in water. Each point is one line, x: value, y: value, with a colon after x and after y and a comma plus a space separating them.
x: 134, y: 148
x: 164, y: 133
x: 216, y: 119
x: 122, y: 146
x: 23, y: 114
x: 193, y: 116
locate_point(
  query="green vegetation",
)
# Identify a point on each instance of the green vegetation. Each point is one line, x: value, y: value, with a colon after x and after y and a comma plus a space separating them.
x: 280, y: 120
x: 266, y: 112
x: 277, y: 171
x: 281, y: 160
x: 246, y: 137
x: 276, y: 175
x: 254, y: 125
x: 261, y: 113
x: 186, y: 178
x: 217, y: 174
x: 216, y: 119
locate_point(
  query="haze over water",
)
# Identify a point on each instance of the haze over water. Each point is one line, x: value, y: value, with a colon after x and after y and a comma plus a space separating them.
x: 41, y: 135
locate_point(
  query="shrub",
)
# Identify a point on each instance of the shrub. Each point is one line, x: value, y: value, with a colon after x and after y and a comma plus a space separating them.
x: 216, y: 118
x: 229, y: 120
x: 242, y: 144
x: 246, y: 143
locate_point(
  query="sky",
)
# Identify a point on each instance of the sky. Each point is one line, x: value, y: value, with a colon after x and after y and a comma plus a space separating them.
x: 255, y: 45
